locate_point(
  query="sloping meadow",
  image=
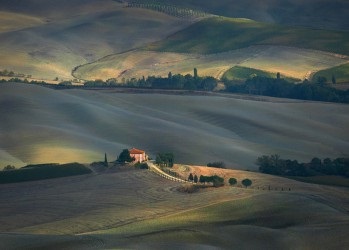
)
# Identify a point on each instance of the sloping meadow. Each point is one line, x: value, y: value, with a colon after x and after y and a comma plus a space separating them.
x: 40, y: 125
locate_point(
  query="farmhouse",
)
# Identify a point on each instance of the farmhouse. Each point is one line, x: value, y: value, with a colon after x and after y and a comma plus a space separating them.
x: 138, y: 154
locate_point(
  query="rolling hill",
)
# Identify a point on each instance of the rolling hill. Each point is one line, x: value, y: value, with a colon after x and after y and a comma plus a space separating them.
x: 218, y: 34
x: 341, y: 73
x: 312, y: 13
x: 291, y: 62
x: 217, y: 44
x: 125, y: 208
x: 122, y: 207
x: 41, y: 125
x: 48, y: 39
x: 75, y: 34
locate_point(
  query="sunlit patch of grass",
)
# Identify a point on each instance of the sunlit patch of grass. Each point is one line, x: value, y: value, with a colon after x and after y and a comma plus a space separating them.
x: 256, y: 211
x: 341, y: 73
x: 220, y: 34
x: 238, y: 73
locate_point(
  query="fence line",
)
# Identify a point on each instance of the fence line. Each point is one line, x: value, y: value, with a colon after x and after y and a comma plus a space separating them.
x: 161, y: 173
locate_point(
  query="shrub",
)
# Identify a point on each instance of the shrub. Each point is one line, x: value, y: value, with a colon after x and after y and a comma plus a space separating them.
x: 188, y: 188
x: 246, y: 182
x: 9, y: 167
x: 217, y: 181
x: 232, y: 181
x: 141, y: 165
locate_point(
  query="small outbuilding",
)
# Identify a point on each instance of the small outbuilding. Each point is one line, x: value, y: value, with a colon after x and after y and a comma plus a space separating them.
x: 138, y: 155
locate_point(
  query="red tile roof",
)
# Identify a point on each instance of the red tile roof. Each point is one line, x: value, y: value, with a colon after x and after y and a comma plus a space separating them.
x: 136, y: 151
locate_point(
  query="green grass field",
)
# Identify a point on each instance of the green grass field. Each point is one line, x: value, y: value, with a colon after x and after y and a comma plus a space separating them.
x: 312, y: 13
x: 42, y: 171
x: 341, y: 73
x: 241, y: 74
x: 220, y: 34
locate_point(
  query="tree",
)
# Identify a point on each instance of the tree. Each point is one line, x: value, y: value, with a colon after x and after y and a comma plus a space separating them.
x: 334, y: 79
x: 196, y: 179
x: 9, y: 167
x: 105, y: 160
x: 217, y: 181
x: 208, y: 83
x: 195, y: 73
x: 165, y: 159
x: 218, y: 164
x: 190, y: 178
x: 321, y: 80
x: 202, y: 179
x: 278, y: 76
x: 125, y: 156
x: 316, y: 163
x: 232, y: 181
x: 275, y: 160
x: 246, y: 182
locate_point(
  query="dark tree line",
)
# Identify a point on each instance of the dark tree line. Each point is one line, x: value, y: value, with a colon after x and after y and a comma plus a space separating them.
x: 216, y: 164
x: 275, y: 165
x: 178, y: 81
x: 165, y: 159
x: 275, y: 87
x: 278, y: 87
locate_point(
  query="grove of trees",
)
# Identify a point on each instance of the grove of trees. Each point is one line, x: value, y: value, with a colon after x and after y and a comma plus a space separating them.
x: 273, y: 164
x: 165, y: 159
x: 217, y: 164
x: 216, y: 180
x: 9, y: 167
x: 278, y: 87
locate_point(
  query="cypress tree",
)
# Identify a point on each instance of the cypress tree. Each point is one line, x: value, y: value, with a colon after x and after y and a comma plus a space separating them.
x: 195, y: 72
x: 105, y: 160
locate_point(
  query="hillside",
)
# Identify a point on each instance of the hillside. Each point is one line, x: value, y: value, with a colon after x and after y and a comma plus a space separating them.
x: 218, y: 34
x: 49, y: 39
x: 217, y: 44
x: 41, y: 125
x: 133, y: 209
x: 312, y: 13
x: 52, y: 43
x: 289, y: 61
x: 340, y: 73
